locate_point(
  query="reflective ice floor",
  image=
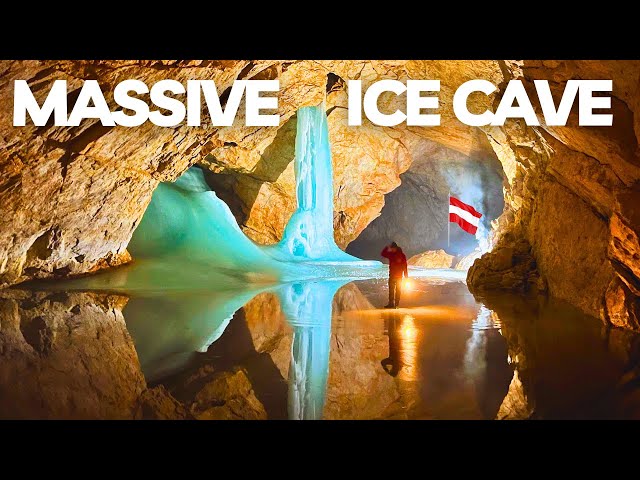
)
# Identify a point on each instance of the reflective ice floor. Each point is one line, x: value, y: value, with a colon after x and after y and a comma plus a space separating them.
x: 310, y: 350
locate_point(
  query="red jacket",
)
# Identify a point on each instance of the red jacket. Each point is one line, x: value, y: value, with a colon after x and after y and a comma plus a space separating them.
x: 397, y: 262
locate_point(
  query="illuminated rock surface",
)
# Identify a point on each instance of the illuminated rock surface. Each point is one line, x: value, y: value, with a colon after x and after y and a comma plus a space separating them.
x: 72, y: 197
x: 432, y: 259
x: 570, y: 194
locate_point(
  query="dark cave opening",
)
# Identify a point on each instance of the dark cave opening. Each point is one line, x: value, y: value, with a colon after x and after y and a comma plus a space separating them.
x: 416, y: 213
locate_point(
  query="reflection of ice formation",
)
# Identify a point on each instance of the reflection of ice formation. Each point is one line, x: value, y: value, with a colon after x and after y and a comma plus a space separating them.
x: 168, y: 328
x: 307, y: 306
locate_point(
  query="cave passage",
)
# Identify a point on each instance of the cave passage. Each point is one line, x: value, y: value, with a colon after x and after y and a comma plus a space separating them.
x: 416, y: 215
x: 239, y: 300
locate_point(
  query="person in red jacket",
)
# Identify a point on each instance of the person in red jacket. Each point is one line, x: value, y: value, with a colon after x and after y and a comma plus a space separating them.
x: 397, y: 268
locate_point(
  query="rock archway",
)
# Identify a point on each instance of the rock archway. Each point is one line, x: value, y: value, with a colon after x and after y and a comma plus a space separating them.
x: 416, y: 214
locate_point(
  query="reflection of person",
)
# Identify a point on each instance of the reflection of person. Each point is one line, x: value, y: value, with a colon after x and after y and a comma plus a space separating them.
x: 397, y: 268
x: 393, y: 360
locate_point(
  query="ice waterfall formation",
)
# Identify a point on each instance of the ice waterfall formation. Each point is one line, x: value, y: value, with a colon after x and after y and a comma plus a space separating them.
x: 309, y: 233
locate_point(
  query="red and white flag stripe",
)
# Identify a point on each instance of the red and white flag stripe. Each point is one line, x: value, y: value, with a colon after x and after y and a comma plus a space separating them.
x: 464, y: 215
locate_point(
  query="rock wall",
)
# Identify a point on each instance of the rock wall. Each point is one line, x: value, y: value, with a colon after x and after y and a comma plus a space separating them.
x: 72, y: 197
x: 69, y: 356
x: 546, y: 353
x: 415, y: 215
x: 571, y: 197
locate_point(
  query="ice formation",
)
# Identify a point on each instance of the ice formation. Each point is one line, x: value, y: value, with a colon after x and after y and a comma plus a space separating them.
x: 308, y: 308
x: 188, y: 239
x: 188, y: 226
x: 309, y: 233
x: 186, y: 219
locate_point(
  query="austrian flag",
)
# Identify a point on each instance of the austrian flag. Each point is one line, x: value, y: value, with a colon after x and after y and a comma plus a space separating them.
x: 464, y: 215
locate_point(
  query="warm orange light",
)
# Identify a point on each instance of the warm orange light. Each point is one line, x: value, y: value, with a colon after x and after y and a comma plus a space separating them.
x: 409, y: 332
x: 408, y: 329
x: 408, y: 348
x: 407, y: 284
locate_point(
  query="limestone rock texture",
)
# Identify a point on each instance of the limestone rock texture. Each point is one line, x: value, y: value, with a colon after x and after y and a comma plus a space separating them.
x: 415, y: 215
x: 510, y: 267
x: 228, y: 396
x: 158, y: 404
x: 70, y: 356
x: 570, y: 195
x: 516, y: 405
x: 71, y: 197
x: 432, y: 259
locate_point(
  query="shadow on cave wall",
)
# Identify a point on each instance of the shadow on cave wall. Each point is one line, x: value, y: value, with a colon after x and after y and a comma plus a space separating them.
x: 239, y: 192
x: 416, y: 213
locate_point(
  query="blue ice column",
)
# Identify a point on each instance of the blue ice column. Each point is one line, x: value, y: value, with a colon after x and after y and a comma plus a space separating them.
x: 308, y: 308
x: 309, y: 234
